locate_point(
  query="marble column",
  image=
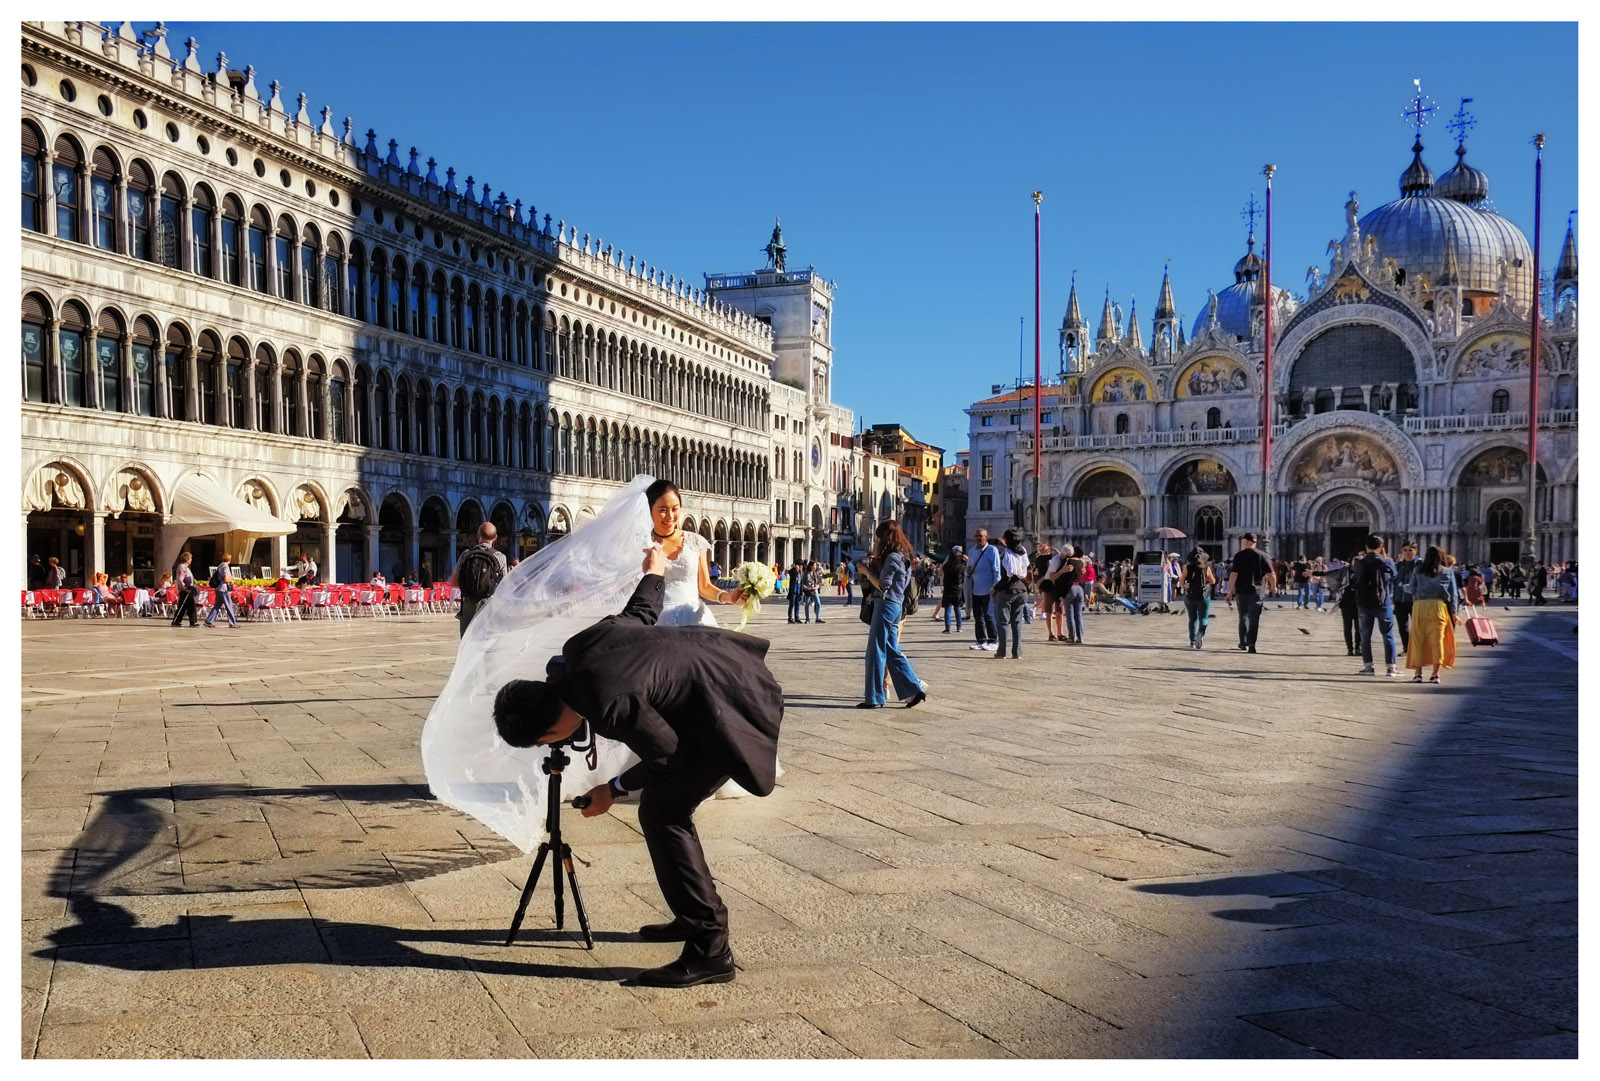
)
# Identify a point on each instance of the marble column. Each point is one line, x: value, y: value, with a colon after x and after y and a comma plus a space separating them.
x: 329, y: 567
x: 94, y: 547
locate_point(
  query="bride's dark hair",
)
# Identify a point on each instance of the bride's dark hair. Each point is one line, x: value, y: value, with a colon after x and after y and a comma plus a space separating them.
x: 659, y: 489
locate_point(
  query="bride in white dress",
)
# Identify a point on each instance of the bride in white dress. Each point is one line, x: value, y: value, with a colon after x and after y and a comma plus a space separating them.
x: 689, y: 585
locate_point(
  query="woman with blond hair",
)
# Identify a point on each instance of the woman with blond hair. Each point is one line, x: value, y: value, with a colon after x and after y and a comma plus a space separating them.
x: 1433, y: 615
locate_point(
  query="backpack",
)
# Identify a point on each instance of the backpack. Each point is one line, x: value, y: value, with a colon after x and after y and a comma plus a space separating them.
x: 908, y: 601
x: 1195, y: 585
x: 480, y: 574
x: 1374, y: 582
x: 217, y: 581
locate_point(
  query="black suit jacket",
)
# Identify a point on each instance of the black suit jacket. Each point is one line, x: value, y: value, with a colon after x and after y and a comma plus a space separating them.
x: 679, y: 697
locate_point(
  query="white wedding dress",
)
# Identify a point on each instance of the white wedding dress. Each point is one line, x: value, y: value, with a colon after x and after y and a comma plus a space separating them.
x: 563, y: 588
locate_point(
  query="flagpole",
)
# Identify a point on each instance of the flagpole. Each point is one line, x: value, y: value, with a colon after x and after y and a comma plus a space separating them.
x: 1530, y: 552
x: 1038, y: 389
x: 1266, y: 378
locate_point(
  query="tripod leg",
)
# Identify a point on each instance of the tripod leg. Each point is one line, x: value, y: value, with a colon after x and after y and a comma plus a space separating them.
x: 555, y: 880
x: 527, y: 891
x: 577, y: 898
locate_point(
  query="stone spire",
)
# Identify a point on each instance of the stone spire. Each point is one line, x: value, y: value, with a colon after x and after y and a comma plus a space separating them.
x: 1107, y: 334
x: 1165, y: 308
x: 1567, y: 265
x: 1074, y: 338
x: 1166, y: 331
x: 1135, y: 339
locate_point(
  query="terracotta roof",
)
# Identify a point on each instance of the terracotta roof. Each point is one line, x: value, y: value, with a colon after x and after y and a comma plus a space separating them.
x: 1018, y: 396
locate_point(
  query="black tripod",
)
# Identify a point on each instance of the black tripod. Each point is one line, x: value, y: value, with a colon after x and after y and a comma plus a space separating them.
x: 552, y: 766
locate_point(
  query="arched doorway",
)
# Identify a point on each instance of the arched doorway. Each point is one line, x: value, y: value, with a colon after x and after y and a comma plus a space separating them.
x: 1107, y: 502
x: 505, y: 525
x: 57, y: 499
x: 350, y: 539
x: 259, y: 560
x: 1345, y: 523
x: 1208, y: 530
x: 394, y: 528
x: 131, y: 527
x: 719, y: 550
x: 1197, y: 501
x: 560, y: 525
x: 1496, y: 478
x: 433, y: 542
x: 531, y: 538
x: 310, y: 515
x: 469, y: 516
x: 1503, y: 528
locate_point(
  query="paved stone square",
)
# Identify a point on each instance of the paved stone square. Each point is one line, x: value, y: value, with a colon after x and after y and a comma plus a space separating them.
x: 1124, y: 849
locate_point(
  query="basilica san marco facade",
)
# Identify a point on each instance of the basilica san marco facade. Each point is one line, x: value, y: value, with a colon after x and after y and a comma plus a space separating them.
x: 1399, y: 389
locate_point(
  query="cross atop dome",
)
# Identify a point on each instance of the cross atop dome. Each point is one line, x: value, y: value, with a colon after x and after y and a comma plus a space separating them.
x: 1462, y: 123
x: 1420, y: 110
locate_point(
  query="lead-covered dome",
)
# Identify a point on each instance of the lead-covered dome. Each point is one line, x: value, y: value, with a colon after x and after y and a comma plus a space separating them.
x: 1444, y: 232
x: 1234, y: 302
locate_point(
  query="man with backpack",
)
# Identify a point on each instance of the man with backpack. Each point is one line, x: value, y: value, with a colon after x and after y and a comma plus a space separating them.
x: 478, y: 573
x: 1373, y: 576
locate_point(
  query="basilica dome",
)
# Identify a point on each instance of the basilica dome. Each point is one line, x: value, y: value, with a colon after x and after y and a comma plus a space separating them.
x: 1233, y: 303
x: 1443, y: 230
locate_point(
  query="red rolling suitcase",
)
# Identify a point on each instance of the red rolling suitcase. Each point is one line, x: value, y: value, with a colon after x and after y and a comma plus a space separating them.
x: 1480, y: 629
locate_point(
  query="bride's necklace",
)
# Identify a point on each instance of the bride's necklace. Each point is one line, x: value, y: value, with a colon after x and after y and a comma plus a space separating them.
x: 664, y: 536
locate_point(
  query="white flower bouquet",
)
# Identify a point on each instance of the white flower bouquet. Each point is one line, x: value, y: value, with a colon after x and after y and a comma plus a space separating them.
x: 755, y: 581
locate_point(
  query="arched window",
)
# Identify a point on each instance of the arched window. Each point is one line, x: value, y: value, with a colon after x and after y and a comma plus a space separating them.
x: 457, y: 306
x: 289, y: 396
x: 397, y: 294
x: 64, y: 182
x: 377, y: 306
x: 108, y: 360
x: 382, y: 431
x: 141, y: 214
x: 311, y: 267
x: 72, y: 345
x: 208, y: 359
x: 422, y: 415
x: 314, y: 398
x: 336, y: 414
x: 104, y: 175
x: 461, y: 417
x: 202, y: 211
x: 175, y: 366
x: 32, y: 179
x: 333, y: 275
x: 284, y: 255
x: 1122, y: 424
x: 1213, y: 417
x: 525, y: 438
x: 471, y: 316
x: 169, y: 223
x: 356, y: 279
x: 1500, y: 402
x: 238, y: 372
x: 35, y: 324
x: 490, y: 344
x: 402, y: 415
x: 261, y: 373
x: 417, y: 301
x: 145, y: 339
x: 441, y: 423
x: 1504, y: 520
x: 232, y: 241
x: 256, y: 253
x: 1208, y: 525
x: 438, y: 300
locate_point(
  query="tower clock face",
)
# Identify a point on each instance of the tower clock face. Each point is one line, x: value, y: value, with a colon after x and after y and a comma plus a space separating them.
x: 816, y: 454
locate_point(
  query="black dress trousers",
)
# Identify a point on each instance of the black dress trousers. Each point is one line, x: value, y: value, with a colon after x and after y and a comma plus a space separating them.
x: 666, y: 817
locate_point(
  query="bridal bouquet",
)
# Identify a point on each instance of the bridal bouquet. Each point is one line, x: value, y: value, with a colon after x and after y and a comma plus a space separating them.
x: 756, y: 580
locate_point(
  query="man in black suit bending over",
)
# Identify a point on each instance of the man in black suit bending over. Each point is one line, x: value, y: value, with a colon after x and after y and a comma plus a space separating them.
x: 698, y: 705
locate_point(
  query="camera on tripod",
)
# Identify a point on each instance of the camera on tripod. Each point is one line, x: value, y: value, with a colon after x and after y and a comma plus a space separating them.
x: 554, y: 763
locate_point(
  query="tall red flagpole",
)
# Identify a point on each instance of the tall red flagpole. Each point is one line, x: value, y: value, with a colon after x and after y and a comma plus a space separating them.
x: 1266, y: 377
x: 1038, y: 383
x: 1530, y: 555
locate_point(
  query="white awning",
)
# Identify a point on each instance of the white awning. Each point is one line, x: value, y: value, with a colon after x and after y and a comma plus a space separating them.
x: 203, y: 508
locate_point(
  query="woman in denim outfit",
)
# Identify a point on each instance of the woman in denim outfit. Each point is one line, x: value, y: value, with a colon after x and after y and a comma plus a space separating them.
x: 889, y: 570
x: 1195, y: 582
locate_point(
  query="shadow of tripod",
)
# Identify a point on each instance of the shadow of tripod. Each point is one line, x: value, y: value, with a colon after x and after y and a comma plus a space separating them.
x: 553, y: 843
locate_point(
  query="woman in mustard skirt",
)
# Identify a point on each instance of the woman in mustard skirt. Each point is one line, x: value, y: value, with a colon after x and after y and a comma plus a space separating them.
x: 1433, y: 616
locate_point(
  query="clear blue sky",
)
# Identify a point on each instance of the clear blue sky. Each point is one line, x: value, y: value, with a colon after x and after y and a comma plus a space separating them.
x: 901, y: 157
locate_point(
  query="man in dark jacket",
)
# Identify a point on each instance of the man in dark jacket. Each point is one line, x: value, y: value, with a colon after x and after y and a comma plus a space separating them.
x: 698, y: 705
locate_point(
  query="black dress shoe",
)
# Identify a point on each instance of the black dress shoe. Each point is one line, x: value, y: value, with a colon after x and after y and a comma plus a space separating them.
x: 687, y: 972
x: 917, y: 699
x: 671, y: 931
x: 869, y: 705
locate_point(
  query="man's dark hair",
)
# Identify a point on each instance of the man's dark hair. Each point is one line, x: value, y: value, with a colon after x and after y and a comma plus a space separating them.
x: 524, y: 710
x: 1374, y: 542
x: 1251, y: 537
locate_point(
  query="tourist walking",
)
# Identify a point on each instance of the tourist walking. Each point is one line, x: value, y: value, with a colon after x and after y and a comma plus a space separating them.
x: 1433, y: 616
x: 889, y: 569
x: 1301, y: 569
x: 478, y: 573
x: 1404, y: 568
x: 1251, y: 573
x: 1374, y: 576
x: 1194, y: 583
x: 955, y: 574
x: 222, y: 584
x: 984, y: 571
x: 1011, y: 594
x: 811, y: 590
x: 1537, y: 584
x: 188, y: 591
x: 846, y: 585
x: 797, y: 570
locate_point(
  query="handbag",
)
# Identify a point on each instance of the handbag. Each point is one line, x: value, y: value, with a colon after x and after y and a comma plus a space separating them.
x: 868, y: 604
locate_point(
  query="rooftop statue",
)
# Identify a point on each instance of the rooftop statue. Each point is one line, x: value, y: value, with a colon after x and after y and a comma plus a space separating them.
x: 775, y: 248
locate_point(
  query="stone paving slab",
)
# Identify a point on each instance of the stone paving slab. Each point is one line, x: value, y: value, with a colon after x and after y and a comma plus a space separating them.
x: 1125, y: 850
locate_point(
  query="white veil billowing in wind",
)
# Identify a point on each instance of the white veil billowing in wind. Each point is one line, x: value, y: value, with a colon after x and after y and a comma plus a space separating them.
x: 543, y: 601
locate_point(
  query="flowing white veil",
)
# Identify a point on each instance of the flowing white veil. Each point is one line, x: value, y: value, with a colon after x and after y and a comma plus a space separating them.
x: 543, y: 601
